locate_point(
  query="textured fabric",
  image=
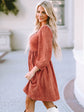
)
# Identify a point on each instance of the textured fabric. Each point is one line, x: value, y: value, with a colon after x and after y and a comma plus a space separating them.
x: 43, y: 85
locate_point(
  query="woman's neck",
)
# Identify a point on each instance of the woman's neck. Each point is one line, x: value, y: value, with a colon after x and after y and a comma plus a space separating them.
x: 43, y: 23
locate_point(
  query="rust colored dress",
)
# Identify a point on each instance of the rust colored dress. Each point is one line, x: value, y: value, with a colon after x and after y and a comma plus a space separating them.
x: 43, y: 85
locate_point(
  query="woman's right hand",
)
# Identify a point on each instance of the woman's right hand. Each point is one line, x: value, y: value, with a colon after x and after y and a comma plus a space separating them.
x: 29, y: 75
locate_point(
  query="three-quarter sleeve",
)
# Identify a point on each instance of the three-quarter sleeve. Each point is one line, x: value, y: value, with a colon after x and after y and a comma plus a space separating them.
x: 44, y: 47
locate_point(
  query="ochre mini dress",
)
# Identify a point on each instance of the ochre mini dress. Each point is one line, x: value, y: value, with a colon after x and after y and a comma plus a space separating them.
x: 43, y: 85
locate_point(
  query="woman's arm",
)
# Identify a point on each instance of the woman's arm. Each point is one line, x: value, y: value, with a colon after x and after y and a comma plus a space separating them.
x: 35, y: 69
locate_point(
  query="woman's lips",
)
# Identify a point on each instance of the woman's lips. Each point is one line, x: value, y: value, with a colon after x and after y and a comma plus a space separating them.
x: 40, y: 18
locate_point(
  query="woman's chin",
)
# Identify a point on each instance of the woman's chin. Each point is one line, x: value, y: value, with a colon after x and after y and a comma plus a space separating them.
x: 41, y: 20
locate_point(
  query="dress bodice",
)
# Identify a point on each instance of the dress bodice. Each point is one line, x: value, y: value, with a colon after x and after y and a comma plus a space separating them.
x: 34, y: 42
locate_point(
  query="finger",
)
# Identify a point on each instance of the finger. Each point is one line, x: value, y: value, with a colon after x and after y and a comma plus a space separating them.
x: 26, y: 76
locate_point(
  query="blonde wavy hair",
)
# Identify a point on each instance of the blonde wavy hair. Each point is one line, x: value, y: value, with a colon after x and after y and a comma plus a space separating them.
x: 51, y: 22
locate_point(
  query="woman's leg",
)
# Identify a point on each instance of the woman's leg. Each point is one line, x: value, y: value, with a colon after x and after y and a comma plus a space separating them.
x: 49, y: 104
x: 30, y: 104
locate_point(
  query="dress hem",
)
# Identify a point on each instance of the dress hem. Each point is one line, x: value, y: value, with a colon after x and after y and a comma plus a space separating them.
x: 43, y: 99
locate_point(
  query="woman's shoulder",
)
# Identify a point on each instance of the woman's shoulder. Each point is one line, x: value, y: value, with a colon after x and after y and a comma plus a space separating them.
x: 46, y: 28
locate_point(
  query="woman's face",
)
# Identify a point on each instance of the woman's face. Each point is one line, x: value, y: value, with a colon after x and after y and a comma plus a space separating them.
x: 41, y: 14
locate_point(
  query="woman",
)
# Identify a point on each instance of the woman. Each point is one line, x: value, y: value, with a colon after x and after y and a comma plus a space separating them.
x: 42, y: 83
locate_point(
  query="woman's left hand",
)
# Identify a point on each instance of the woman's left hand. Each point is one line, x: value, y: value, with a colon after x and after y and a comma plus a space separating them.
x: 29, y: 75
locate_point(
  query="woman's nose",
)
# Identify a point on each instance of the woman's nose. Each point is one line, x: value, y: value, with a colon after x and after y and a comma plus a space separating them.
x: 40, y: 14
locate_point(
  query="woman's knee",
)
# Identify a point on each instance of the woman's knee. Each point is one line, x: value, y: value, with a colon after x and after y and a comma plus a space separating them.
x: 29, y: 100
